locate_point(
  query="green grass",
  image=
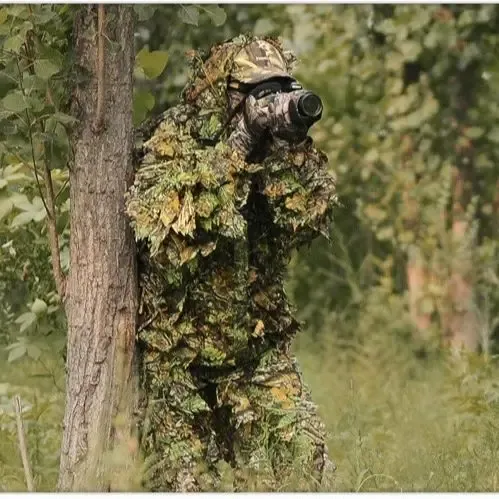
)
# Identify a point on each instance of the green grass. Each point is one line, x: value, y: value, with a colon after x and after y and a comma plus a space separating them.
x: 40, y: 384
x: 401, y: 423
x: 397, y: 422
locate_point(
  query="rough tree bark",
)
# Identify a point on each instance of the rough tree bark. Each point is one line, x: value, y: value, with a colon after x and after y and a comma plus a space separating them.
x: 102, y: 286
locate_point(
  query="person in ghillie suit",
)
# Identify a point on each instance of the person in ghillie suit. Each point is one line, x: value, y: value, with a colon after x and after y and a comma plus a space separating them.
x: 227, y: 185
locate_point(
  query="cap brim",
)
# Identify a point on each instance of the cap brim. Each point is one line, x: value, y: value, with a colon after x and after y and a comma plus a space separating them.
x: 267, y: 75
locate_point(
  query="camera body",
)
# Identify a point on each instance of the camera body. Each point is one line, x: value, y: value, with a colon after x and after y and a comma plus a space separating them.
x: 283, y: 111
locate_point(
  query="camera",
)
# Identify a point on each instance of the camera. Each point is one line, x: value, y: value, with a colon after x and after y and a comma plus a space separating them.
x: 281, y: 110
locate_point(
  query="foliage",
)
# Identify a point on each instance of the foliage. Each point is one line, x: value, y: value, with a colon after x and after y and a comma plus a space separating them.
x: 392, y: 79
x: 409, y: 103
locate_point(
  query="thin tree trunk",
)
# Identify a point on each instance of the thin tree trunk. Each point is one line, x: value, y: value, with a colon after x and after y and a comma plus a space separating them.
x: 417, y: 283
x: 102, y: 285
x: 462, y: 329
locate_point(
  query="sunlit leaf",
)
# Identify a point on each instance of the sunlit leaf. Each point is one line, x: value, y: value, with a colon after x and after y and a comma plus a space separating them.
x: 152, y: 63
x: 22, y: 219
x: 15, y: 101
x: 6, y: 206
x: 39, y: 307
x: 143, y: 102
x: 16, y: 353
x: 13, y: 44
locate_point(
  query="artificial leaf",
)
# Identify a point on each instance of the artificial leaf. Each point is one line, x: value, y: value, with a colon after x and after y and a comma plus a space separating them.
x: 170, y: 209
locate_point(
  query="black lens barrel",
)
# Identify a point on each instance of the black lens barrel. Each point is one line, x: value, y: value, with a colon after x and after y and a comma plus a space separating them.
x: 310, y: 107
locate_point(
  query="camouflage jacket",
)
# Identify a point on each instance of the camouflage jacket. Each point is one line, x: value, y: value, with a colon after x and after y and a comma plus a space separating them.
x: 215, y: 235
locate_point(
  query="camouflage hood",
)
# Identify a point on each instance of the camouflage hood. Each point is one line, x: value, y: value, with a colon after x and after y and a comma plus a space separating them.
x: 247, y: 60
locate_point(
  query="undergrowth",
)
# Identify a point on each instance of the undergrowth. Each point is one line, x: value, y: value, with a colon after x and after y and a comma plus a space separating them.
x: 398, y: 420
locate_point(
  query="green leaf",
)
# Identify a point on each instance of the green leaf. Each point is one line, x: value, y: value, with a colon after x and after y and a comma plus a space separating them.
x: 16, y: 353
x: 15, y: 101
x: 144, y: 12
x: 39, y: 215
x: 20, y: 11
x: 44, y: 14
x: 21, y: 201
x: 410, y: 49
x: 152, y: 63
x: 45, y: 68
x: 6, y: 206
x: 385, y: 233
x: 22, y: 219
x: 31, y: 318
x: 34, y: 352
x: 189, y: 14
x: 3, y: 15
x: 474, y: 132
x: 143, y: 102
x: 39, y: 307
x: 216, y: 13
x: 26, y: 316
x: 493, y: 135
x: 13, y: 44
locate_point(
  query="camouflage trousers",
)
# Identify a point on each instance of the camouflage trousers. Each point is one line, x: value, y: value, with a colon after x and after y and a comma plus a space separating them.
x: 243, y: 429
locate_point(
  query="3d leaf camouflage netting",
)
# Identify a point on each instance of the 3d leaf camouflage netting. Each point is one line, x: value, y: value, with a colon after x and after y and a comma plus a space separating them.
x: 215, y: 234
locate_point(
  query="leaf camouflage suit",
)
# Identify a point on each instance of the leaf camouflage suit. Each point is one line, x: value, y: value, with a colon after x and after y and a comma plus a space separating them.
x: 216, y: 228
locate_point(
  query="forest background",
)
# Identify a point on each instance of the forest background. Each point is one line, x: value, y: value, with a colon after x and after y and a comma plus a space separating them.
x: 401, y: 306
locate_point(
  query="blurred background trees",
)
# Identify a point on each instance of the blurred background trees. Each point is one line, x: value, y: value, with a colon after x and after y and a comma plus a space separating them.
x: 411, y: 128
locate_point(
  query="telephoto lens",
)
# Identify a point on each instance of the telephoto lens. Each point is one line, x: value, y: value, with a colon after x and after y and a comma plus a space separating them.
x: 310, y: 107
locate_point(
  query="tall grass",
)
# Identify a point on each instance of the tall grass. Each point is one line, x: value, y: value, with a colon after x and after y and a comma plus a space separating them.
x: 397, y: 420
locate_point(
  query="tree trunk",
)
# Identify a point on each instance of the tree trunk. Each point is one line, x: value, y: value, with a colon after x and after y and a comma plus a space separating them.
x: 102, y: 286
x: 417, y: 284
x: 462, y: 328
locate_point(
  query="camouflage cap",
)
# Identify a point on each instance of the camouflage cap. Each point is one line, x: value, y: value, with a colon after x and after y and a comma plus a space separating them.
x: 258, y: 61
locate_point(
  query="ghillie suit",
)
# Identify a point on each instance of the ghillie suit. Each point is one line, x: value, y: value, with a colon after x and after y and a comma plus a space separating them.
x: 216, y: 227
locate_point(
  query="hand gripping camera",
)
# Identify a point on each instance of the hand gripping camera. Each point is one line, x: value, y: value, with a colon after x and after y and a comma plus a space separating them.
x: 279, y: 110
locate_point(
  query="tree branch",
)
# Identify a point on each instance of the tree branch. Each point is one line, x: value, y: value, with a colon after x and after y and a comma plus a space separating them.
x: 59, y: 277
x: 49, y: 202
x: 22, y: 444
